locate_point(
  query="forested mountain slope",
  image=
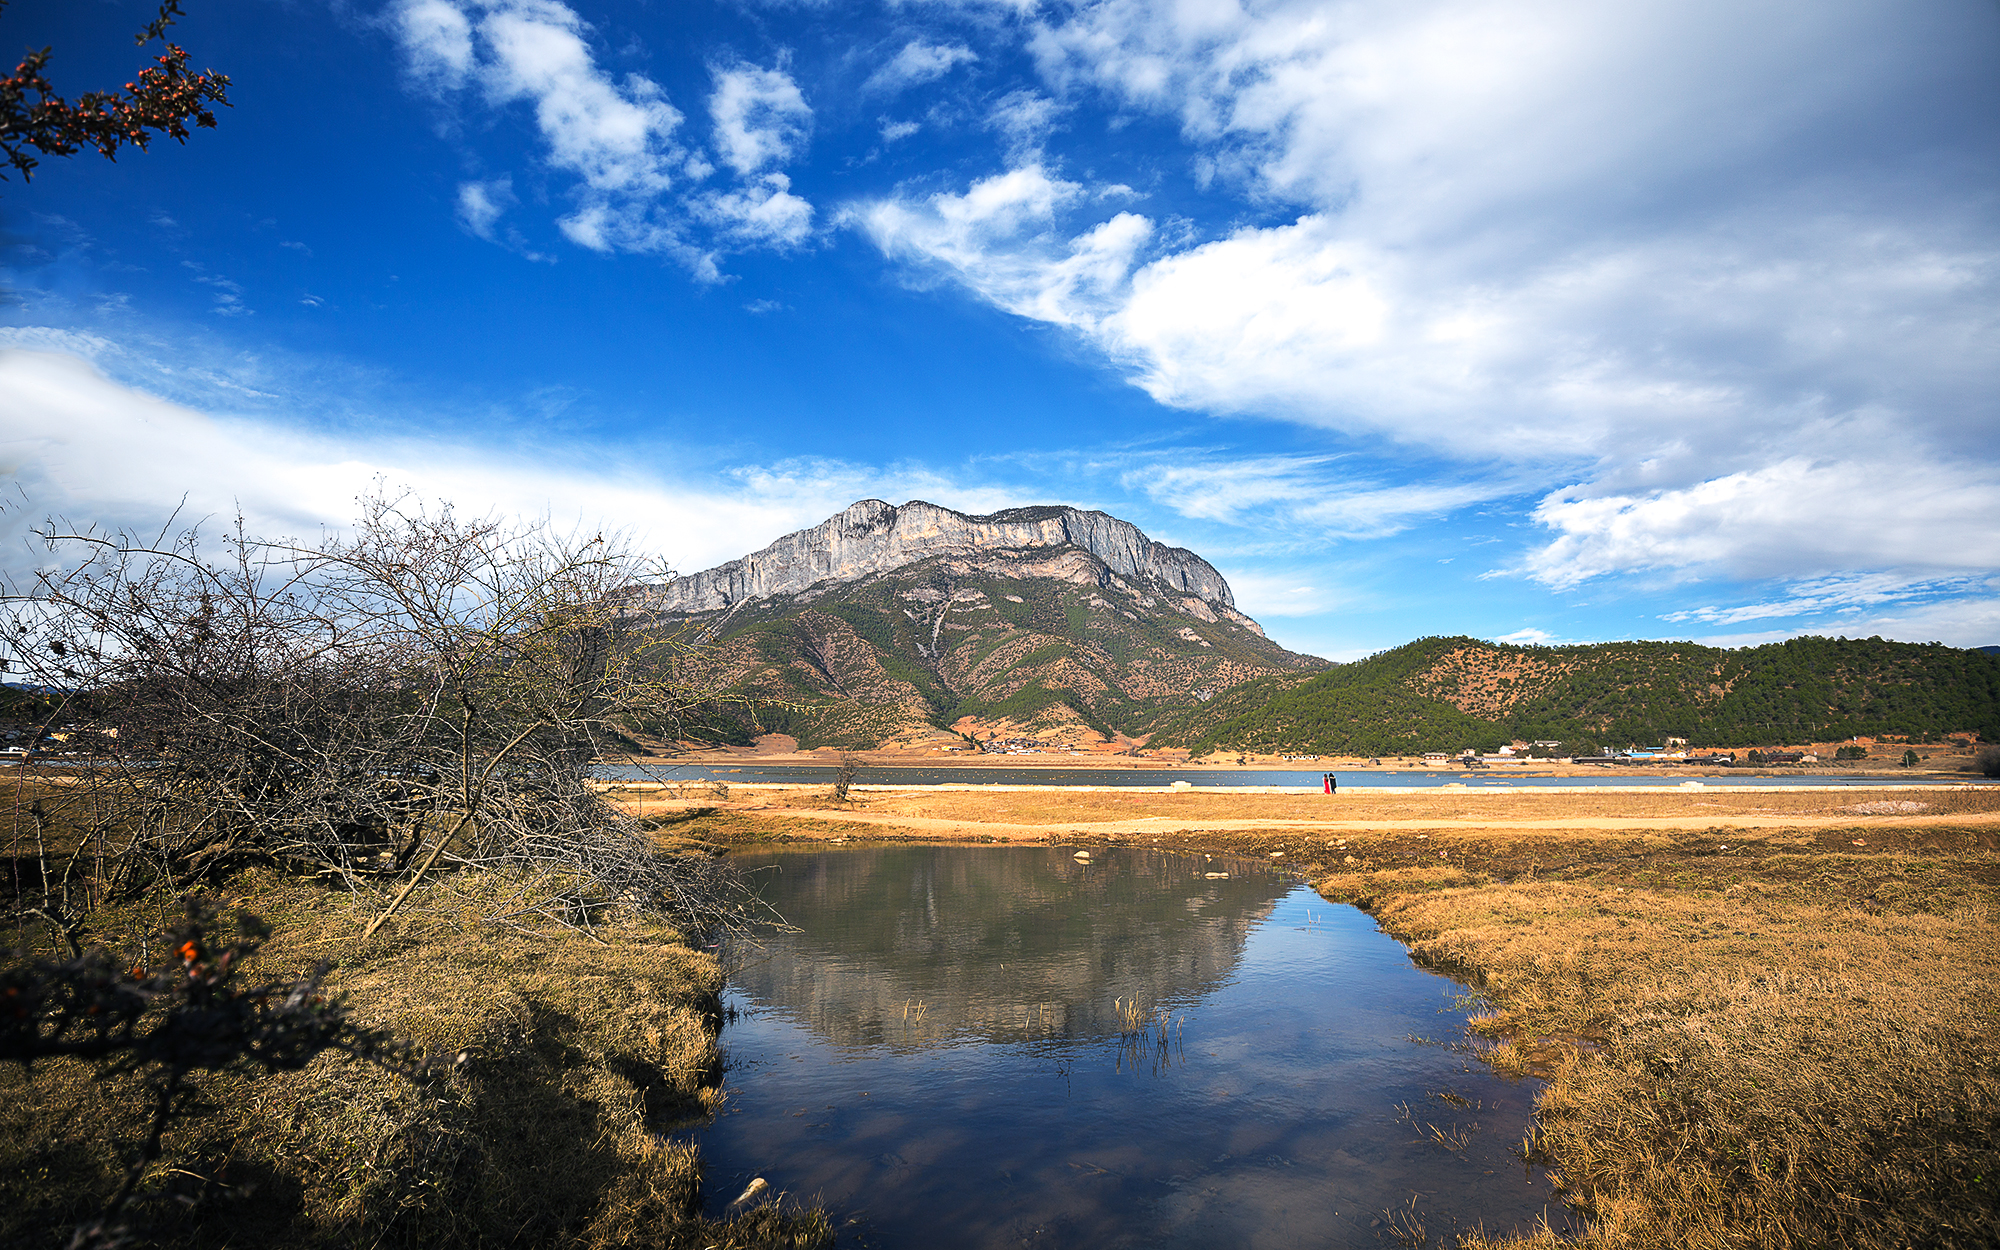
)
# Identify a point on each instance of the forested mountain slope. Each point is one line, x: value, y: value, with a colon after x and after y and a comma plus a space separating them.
x: 1448, y: 693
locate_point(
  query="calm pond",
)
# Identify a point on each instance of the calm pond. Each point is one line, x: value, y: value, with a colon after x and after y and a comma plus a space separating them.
x: 940, y: 1053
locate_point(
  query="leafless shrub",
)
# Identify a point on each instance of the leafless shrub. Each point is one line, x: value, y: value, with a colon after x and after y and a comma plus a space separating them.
x: 425, y: 688
x: 842, y: 780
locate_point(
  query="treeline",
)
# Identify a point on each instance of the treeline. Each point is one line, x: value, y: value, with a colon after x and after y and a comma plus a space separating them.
x: 1450, y: 693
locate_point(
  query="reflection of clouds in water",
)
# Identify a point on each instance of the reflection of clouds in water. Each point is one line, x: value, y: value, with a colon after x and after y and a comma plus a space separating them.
x: 919, y: 946
x: 1275, y: 1124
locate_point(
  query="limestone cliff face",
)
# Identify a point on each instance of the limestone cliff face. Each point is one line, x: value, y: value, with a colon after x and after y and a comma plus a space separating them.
x: 872, y: 537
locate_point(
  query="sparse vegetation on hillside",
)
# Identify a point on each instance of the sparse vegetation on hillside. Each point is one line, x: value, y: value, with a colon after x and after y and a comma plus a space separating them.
x: 916, y: 648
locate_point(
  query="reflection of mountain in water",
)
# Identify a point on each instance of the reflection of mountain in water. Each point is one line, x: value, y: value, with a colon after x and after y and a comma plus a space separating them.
x: 996, y: 944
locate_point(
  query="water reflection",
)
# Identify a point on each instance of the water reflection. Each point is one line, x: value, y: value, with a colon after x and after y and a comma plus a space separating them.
x: 990, y: 1047
x: 922, y: 946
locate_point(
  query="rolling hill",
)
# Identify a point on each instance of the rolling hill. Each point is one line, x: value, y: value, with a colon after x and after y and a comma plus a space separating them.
x: 1449, y: 693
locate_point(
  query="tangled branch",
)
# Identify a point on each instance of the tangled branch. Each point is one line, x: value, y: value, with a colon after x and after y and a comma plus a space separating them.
x: 164, y: 97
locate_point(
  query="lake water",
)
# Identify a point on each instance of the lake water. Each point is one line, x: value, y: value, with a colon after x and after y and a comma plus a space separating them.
x: 939, y: 1054
x: 1211, y: 778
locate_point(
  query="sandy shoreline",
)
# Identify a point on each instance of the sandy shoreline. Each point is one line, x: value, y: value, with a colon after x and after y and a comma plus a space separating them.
x: 1950, y: 768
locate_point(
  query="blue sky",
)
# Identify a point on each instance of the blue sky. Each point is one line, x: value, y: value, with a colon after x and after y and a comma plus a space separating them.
x: 1548, y: 321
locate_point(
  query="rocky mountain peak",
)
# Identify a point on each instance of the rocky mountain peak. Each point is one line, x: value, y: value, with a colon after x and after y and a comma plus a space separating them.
x: 871, y: 537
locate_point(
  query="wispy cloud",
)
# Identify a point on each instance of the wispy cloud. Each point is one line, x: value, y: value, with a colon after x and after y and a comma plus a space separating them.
x: 1025, y: 120
x: 761, y: 117
x: 482, y: 204
x: 1329, y: 496
x: 1799, y: 517
x: 79, y: 444
x: 1843, y: 596
x: 227, y: 293
x: 919, y: 63
x: 1280, y: 594
x: 1970, y: 620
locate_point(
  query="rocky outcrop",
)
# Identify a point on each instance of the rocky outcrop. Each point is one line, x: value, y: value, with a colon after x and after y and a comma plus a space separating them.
x: 873, y: 537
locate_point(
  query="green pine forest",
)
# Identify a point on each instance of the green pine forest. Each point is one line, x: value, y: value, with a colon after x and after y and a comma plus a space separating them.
x: 1451, y: 693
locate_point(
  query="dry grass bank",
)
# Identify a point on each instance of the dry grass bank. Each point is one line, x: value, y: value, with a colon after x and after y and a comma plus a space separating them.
x: 581, y: 1057
x: 1355, y: 805
x: 1777, y: 1038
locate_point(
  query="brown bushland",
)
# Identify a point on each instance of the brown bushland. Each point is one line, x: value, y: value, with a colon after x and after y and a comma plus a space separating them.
x: 382, y: 744
x: 427, y: 685
x: 579, y: 1057
x: 585, y: 1045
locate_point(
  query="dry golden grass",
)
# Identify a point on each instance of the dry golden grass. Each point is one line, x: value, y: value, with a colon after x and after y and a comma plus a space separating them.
x: 580, y: 1056
x: 1768, y: 1046
x: 1570, y: 808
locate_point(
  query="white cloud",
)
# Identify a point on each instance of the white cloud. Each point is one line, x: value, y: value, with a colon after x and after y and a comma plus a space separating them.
x: 1025, y: 120
x: 919, y: 63
x: 893, y: 131
x: 763, y: 211
x: 77, y: 444
x: 1657, y: 250
x: 1800, y: 517
x: 437, y: 38
x: 1529, y: 637
x: 615, y: 135
x: 997, y: 239
x: 761, y: 117
x: 482, y: 204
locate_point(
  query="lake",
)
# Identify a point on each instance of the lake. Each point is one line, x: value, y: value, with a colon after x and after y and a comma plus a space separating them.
x: 1004, y: 1046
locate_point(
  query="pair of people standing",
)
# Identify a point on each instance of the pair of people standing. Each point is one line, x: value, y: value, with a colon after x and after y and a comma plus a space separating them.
x: 1328, y: 783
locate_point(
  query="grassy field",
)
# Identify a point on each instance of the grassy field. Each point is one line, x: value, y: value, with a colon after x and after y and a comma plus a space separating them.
x: 581, y: 1057
x: 1038, y: 812
x: 1765, y: 1019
